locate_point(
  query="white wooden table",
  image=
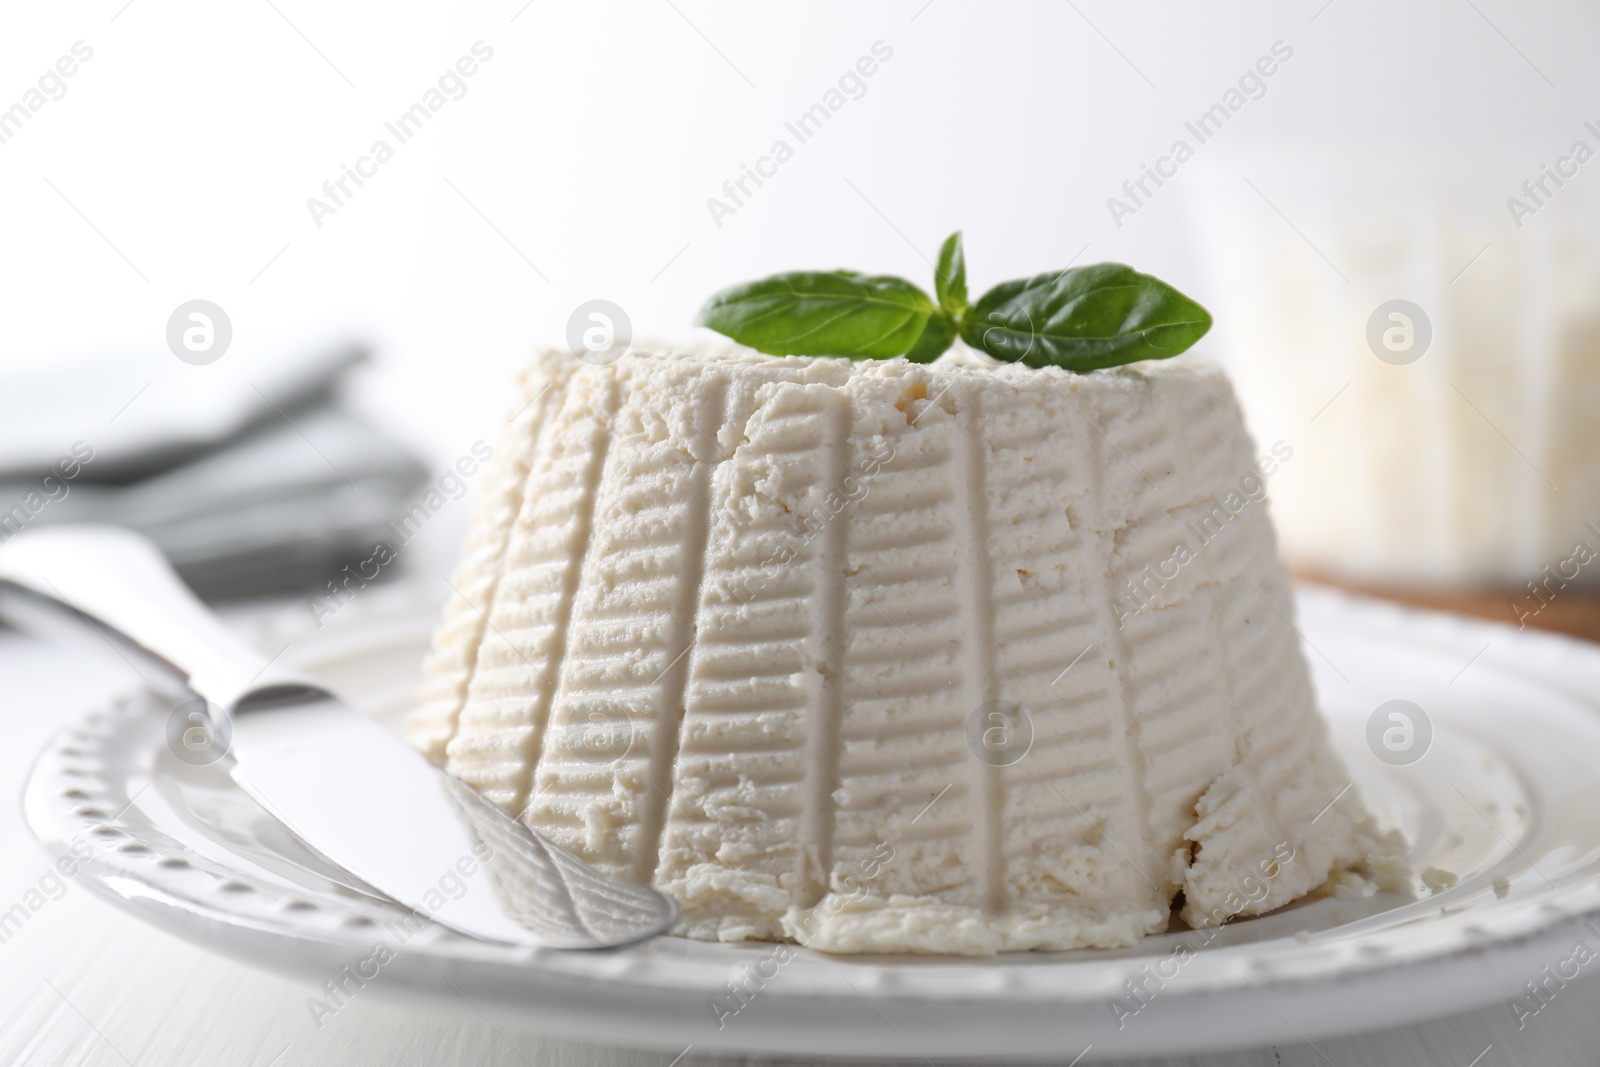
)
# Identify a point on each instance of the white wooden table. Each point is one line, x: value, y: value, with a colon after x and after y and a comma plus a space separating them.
x: 82, y: 983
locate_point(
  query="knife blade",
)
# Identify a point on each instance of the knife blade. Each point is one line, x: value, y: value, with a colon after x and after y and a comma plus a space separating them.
x: 341, y: 782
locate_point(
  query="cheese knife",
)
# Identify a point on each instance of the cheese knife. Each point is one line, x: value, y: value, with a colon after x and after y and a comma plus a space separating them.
x: 342, y: 783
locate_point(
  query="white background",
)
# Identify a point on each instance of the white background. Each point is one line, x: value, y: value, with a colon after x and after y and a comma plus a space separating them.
x: 592, y: 139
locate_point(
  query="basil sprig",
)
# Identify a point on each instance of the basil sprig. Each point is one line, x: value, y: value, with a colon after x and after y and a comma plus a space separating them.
x: 950, y: 277
x: 1080, y: 319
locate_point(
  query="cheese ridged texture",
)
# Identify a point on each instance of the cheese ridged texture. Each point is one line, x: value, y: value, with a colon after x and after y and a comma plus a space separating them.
x: 725, y: 621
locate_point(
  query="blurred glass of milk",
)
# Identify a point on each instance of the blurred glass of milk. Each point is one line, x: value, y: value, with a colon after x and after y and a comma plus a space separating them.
x: 1424, y: 332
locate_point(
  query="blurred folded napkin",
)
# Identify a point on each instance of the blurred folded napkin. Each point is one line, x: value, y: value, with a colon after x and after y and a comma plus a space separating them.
x: 253, y: 482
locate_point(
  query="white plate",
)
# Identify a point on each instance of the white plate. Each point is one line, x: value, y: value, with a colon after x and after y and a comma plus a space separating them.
x: 1505, y: 796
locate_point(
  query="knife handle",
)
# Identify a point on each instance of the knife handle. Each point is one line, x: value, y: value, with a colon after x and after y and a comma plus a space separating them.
x: 119, y: 583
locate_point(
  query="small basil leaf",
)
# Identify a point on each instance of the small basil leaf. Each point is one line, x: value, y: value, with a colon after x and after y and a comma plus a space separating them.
x: 939, y: 335
x: 950, y: 277
x: 1084, y: 318
x: 822, y: 313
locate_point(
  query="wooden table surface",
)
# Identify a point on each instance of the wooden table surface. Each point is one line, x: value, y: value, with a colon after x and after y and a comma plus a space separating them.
x: 1568, y: 612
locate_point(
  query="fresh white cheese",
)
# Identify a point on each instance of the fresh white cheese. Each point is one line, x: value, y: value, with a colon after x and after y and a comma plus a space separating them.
x: 880, y: 657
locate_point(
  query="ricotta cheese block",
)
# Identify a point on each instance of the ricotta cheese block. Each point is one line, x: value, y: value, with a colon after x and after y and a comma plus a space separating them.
x: 885, y: 657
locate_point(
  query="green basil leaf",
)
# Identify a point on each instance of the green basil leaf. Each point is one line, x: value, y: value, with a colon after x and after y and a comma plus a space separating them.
x: 939, y: 335
x: 822, y: 313
x: 950, y: 277
x: 1084, y: 318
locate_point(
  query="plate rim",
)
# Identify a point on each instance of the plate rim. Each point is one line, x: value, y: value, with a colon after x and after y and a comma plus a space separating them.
x: 1524, y: 928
